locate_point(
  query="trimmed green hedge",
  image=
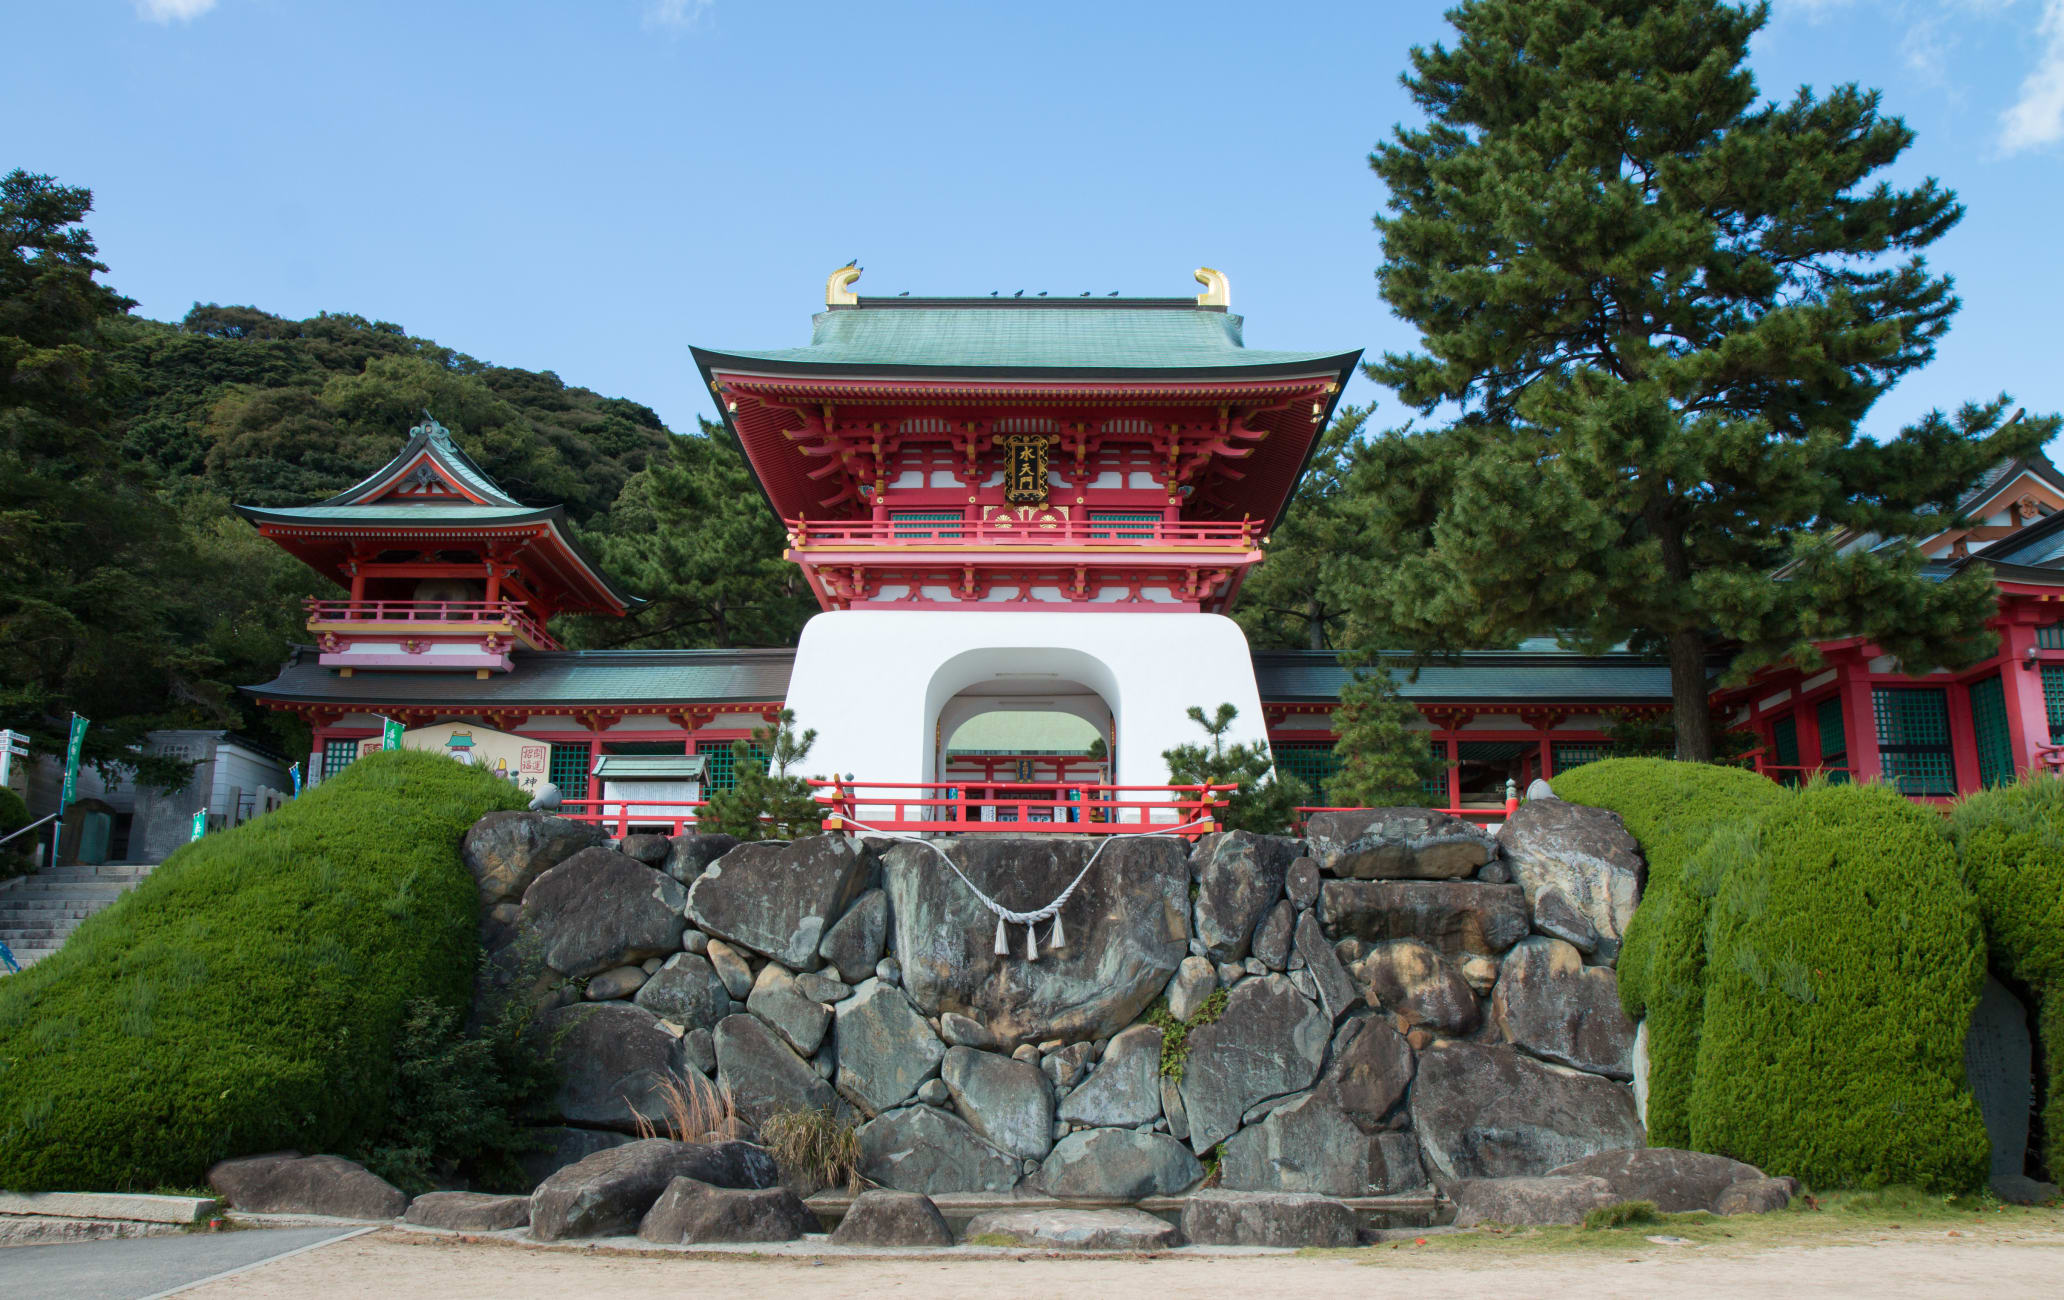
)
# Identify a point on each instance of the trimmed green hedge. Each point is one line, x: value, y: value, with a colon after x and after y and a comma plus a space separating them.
x: 246, y: 996
x: 1843, y: 964
x: 1694, y: 822
x: 2010, y: 842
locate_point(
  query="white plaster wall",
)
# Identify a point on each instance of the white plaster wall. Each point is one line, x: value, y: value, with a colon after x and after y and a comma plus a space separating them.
x: 873, y: 682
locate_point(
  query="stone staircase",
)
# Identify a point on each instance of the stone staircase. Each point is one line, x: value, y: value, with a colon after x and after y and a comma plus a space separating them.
x: 38, y: 912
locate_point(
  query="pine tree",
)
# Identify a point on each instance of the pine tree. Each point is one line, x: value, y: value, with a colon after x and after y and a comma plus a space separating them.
x: 1266, y: 800
x: 1384, y: 763
x: 765, y: 802
x: 1661, y: 309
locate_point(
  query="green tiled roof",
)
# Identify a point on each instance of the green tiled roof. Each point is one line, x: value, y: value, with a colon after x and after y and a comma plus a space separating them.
x: 549, y: 677
x: 650, y: 767
x: 1055, y: 334
x: 403, y: 513
x: 1523, y: 675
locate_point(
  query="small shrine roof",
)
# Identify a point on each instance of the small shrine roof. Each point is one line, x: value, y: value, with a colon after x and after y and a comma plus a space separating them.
x: 1536, y: 672
x: 586, y: 678
x: 1050, y: 337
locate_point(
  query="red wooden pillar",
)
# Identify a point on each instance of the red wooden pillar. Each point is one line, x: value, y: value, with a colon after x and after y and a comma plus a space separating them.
x: 2028, y: 714
x: 1547, y: 772
x: 1963, y: 737
x: 1454, y: 773
x: 1806, y: 725
x: 1860, y: 722
x: 494, y: 582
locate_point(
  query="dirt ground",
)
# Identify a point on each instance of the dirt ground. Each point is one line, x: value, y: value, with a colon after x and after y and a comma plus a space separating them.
x: 1990, y: 1256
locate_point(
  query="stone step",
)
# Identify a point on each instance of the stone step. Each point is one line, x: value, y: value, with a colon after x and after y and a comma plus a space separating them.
x: 44, y: 907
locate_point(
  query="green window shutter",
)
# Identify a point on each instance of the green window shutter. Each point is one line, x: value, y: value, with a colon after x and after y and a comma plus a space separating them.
x: 2050, y: 636
x: 921, y: 525
x: 1913, y: 738
x: 337, y: 755
x: 2053, y: 698
x: 1575, y: 753
x: 1312, y: 763
x: 1834, y: 738
x: 1989, y: 723
x: 721, y: 766
x: 1097, y: 518
x: 569, y: 770
x: 1784, y: 744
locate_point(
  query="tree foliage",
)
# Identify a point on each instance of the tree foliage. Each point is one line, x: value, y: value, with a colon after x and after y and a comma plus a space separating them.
x: 1265, y: 801
x: 1384, y: 761
x: 1285, y: 603
x: 766, y: 802
x: 1657, y: 311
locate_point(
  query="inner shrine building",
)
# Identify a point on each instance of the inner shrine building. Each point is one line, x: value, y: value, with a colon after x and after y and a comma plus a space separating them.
x: 1024, y: 520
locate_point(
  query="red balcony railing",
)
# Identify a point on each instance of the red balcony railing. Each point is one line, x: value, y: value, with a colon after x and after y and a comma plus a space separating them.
x: 914, y: 534
x: 622, y: 816
x: 1075, y: 808
x: 456, y: 613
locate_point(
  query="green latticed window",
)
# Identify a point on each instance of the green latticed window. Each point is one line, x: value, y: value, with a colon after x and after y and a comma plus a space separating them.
x: 1784, y: 749
x: 1834, y: 739
x: 2050, y: 637
x: 337, y: 755
x: 1989, y: 723
x: 569, y: 770
x: 1312, y: 763
x: 1913, y: 739
x: 1576, y: 753
x: 721, y: 766
x: 1101, y: 525
x: 923, y: 525
x: 2053, y: 699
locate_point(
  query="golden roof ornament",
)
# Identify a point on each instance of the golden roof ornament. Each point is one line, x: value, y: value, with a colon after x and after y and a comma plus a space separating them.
x: 1218, y: 291
x: 838, y: 286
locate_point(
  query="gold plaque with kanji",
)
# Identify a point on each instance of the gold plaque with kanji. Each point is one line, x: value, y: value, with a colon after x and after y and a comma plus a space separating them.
x: 1024, y: 473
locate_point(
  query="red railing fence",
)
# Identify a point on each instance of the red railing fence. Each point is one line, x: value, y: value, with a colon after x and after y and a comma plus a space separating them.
x: 1076, y: 808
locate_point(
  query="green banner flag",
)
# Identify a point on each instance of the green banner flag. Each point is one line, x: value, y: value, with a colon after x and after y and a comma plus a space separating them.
x: 72, y: 751
x: 390, y: 733
x: 200, y: 825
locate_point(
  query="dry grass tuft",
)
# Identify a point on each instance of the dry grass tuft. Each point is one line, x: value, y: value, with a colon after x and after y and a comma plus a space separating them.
x: 695, y: 1108
x: 814, y: 1146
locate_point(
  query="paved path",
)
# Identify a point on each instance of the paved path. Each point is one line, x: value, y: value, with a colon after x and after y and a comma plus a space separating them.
x: 130, y: 1268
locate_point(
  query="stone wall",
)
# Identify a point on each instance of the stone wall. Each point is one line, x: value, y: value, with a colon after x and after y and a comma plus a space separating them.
x: 1399, y: 999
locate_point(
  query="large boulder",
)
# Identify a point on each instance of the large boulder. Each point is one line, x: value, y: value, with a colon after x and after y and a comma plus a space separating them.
x: 799, y: 1019
x: 1213, y: 1217
x: 762, y: 1075
x: 1412, y: 980
x: 1484, y: 1111
x: 688, y: 856
x: 1127, y: 926
x: 1195, y: 981
x: 690, y: 1210
x: 885, y: 1049
x: 881, y: 1216
x: 1551, y: 1004
x: 1269, y: 1042
x: 855, y: 941
x: 608, y: 1193
x: 1113, y: 1229
x: 1008, y: 1102
x: 1397, y: 844
x: 778, y: 898
x: 286, y: 1182
x: 1239, y: 877
x: 1677, y: 1181
x: 557, y: 1147
x: 924, y: 1149
x: 1337, y: 994
x: 1125, y: 1090
x: 1368, y: 1072
x: 1529, y: 1201
x: 600, y: 909
x: 1272, y: 937
x: 686, y: 991
x: 1311, y: 1145
x: 506, y: 851
x: 1455, y: 916
x: 1765, y: 1195
x: 1586, y: 854
x: 1118, y: 1164
x: 614, y: 1062
x: 469, y: 1211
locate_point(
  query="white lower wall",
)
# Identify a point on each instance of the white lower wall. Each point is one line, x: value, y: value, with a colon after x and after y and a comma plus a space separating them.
x: 872, y: 683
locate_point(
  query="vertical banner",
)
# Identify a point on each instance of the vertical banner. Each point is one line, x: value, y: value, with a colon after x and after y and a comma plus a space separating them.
x: 390, y: 733
x: 72, y: 752
x: 295, y: 772
x: 200, y: 825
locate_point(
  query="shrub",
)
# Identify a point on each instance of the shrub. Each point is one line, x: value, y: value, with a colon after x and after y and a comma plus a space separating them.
x: 1265, y: 800
x: 17, y: 856
x: 1843, y: 963
x: 1621, y: 1214
x: 1695, y: 822
x: 814, y: 1147
x: 248, y: 994
x: 765, y: 802
x: 2010, y: 844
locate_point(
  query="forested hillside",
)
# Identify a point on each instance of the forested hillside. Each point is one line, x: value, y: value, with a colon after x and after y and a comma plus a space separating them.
x: 129, y: 591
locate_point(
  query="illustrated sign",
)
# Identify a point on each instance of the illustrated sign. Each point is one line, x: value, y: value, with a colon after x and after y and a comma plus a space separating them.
x: 200, y: 824
x: 1024, y: 473
x: 390, y: 733
x: 513, y: 758
x: 72, y: 751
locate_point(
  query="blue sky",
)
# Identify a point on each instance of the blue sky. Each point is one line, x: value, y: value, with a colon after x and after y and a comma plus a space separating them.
x: 590, y: 187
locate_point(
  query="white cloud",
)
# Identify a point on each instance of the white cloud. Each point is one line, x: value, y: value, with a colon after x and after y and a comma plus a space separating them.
x: 2036, y: 117
x: 677, y: 15
x: 173, y: 11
